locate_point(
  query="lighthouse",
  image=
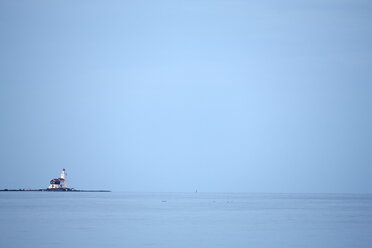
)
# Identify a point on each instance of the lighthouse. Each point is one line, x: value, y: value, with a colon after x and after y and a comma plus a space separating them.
x: 63, y: 174
x: 59, y: 183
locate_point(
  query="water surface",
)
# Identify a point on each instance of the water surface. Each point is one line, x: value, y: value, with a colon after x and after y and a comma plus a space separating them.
x: 72, y: 219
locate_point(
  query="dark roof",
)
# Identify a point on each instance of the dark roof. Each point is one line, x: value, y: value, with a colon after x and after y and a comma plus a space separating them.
x: 57, y: 179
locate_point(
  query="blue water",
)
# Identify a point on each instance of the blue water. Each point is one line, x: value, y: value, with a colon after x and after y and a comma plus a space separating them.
x: 70, y: 219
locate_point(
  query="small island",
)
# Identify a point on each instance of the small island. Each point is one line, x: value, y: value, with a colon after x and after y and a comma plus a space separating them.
x: 56, y: 185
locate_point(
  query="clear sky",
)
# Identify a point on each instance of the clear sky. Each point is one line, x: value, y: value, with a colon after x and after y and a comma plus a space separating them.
x: 245, y: 96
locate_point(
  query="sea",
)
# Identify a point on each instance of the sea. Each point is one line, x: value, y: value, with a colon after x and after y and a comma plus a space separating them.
x: 184, y: 220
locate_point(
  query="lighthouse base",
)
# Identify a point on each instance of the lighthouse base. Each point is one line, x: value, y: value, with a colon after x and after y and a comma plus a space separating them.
x: 60, y: 189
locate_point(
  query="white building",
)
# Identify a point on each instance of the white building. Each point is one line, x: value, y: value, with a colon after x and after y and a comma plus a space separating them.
x: 59, y: 183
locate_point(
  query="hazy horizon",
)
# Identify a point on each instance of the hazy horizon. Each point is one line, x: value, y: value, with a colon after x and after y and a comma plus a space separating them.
x: 214, y: 96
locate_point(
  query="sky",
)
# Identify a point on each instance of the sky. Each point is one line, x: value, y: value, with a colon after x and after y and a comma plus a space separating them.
x: 178, y: 96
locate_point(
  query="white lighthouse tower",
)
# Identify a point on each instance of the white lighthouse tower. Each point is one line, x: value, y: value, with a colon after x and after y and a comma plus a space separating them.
x: 63, y: 176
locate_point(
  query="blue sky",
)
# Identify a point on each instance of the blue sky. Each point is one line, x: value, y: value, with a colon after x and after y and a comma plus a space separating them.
x: 231, y: 96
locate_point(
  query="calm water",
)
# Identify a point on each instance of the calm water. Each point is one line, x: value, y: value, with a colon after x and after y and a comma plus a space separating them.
x: 47, y: 219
